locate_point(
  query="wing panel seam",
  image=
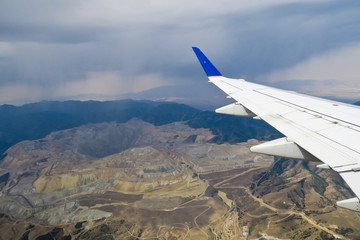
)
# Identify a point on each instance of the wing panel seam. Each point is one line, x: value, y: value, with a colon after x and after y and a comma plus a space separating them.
x: 308, y: 109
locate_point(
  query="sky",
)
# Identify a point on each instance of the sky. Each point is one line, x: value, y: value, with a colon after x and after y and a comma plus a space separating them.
x: 110, y: 49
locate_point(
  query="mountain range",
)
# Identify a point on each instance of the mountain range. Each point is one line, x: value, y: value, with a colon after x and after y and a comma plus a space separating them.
x: 36, y: 120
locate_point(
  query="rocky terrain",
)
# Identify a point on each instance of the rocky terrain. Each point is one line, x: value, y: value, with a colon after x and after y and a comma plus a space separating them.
x: 135, y: 180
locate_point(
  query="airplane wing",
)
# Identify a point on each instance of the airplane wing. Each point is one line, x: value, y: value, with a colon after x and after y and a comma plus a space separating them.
x: 316, y: 129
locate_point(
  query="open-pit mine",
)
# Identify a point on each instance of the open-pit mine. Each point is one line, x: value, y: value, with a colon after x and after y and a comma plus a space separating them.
x: 135, y: 180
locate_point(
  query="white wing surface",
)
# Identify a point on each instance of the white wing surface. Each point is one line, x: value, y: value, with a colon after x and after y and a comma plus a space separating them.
x: 316, y: 129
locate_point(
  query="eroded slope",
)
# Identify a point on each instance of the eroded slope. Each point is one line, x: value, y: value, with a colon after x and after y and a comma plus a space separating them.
x: 136, y: 180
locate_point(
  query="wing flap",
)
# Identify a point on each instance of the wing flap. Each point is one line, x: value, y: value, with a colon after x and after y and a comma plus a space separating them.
x: 345, y: 113
x: 344, y: 136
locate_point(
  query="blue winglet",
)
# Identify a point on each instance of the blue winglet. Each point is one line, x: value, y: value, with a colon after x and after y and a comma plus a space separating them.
x: 209, y: 68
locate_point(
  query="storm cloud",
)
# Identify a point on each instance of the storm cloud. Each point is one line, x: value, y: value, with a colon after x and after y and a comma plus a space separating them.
x: 105, y: 49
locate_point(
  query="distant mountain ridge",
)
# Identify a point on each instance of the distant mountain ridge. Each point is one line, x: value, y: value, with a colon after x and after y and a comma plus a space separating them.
x: 36, y: 120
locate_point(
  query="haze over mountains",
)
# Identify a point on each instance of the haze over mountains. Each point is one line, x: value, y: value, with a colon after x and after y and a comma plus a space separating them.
x: 36, y: 120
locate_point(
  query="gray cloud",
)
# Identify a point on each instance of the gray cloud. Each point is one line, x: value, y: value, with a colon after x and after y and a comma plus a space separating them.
x: 284, y: 35
x: 48, y: 46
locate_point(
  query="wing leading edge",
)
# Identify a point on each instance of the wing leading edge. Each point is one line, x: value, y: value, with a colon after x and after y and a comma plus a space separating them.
x: 316, y: 129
